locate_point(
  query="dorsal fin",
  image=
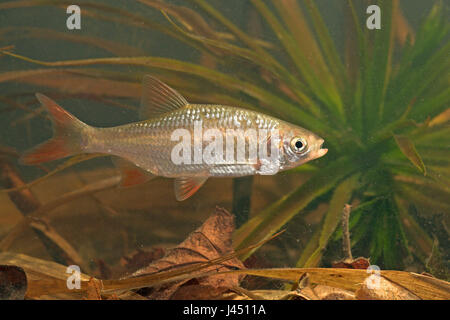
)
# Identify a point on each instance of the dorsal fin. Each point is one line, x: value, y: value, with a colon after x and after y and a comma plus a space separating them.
x: 158, y: 98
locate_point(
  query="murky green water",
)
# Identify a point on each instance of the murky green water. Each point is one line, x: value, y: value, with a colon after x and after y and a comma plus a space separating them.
x: 378, y: 97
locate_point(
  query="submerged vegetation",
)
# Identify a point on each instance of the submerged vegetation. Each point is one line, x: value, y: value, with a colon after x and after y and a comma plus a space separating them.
x: 380, y: 101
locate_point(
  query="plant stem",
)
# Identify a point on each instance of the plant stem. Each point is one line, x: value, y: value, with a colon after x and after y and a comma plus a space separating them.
x: 242, y: 191
x: 346, y: 244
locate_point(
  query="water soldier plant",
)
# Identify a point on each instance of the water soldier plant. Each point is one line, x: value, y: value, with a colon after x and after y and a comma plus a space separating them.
x: 381, y: 104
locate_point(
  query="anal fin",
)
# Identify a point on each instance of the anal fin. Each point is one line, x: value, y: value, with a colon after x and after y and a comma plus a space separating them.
x: 185, y: 187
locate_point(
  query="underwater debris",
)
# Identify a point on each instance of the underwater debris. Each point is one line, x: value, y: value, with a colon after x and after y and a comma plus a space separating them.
x: 348, y: 261
x: 58, y: 247
x: 382, y: 106
x: 383, y: 290
x: 211, y: 240
x: 13, y: 283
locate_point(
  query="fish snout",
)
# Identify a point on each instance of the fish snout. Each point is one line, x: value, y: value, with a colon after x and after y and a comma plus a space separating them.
x: 319, y: 151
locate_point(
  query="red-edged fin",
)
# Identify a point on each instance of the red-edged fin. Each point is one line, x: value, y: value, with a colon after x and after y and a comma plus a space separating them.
x: 158, y: 98
x: 186, y: 187
x: 67, y: 132
x: 131, y: 174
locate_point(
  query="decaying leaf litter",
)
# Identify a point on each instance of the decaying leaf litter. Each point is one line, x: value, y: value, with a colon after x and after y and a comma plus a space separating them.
x: 210, y: 269
x: 411, y: 137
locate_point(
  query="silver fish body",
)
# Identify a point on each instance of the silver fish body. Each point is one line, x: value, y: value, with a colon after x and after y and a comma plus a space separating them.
x: 150, y: 144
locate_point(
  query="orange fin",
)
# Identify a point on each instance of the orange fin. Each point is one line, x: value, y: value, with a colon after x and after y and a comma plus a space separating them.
x: 158, y: 98
x: 186, y: 187
x: 67, y: 135
x: 131, y: 174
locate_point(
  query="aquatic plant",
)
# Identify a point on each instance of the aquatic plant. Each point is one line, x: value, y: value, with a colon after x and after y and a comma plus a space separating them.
x: 382, y: 107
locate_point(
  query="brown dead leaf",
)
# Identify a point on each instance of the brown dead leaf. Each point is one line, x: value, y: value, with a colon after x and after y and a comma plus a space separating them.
x: 209, y: 241
x: 93, y: 290
x: 198, y: 292
x: 140, y: 259
x: 424, y: 287
x: 128, y: 264
x: 113, y: 297
x: 306, y: 293
x: 332, y: 293
x: 305, y: 290
x: 253, y: 283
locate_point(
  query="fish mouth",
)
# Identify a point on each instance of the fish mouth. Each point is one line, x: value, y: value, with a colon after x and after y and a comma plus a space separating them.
x: 320, y: 151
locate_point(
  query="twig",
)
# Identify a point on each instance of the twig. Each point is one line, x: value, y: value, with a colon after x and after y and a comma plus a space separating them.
x: 58, y: 248
x: 51, y: 205
x: 34, y: 217
x: 346, y: 244
x: 244, y: 292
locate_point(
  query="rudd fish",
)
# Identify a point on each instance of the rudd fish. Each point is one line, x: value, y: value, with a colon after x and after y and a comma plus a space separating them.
x: 188, y: 142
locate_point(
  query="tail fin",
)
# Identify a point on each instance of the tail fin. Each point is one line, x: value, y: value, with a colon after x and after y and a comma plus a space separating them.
x: 67, y: 135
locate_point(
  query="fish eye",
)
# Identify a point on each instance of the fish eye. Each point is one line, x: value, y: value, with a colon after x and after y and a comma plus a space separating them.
x: 298, y: 145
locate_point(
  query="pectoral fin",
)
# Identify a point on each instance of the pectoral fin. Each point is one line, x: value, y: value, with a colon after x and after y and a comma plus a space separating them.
x: 187, y: 186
